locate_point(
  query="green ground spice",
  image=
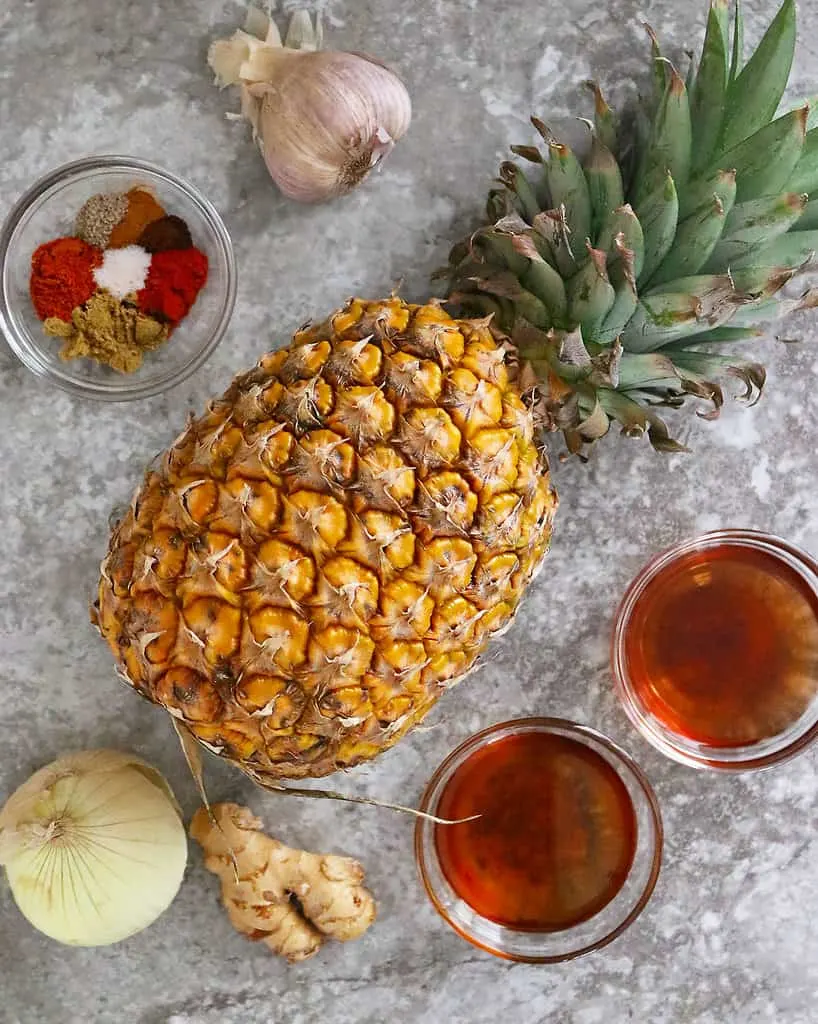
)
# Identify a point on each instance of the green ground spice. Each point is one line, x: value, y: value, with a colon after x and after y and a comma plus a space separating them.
x: 111, y: 332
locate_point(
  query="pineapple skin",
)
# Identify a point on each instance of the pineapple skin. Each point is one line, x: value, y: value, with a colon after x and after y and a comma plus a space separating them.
x: 331, y: 546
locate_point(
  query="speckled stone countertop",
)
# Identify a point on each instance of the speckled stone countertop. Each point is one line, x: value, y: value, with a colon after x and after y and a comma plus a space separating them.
x: 730, y: 936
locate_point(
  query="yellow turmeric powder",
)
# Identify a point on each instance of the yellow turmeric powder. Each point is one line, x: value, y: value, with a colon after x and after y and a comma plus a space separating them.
x: 142, y: 210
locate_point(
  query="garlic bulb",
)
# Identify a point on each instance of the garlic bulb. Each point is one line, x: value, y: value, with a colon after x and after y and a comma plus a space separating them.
x: 323, y: 119
x: 94, y: 847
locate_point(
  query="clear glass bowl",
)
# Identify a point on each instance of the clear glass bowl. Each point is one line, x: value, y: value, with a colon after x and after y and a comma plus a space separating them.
x: 47, y: 210
x: 763, y: 754
x: 554, y: 946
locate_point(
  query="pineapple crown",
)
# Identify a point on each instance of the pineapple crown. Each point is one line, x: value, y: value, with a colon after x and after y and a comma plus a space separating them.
x: 624, y: 280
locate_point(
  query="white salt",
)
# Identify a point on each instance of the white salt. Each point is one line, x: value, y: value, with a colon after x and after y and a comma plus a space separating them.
x: 123, y: 271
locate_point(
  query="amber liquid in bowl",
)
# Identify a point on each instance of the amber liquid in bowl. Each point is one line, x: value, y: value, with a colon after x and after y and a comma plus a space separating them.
x: 722, y: 646
x: 555, y: 838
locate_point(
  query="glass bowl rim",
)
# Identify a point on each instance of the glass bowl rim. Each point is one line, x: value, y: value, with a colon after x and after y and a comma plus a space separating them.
x: 582, y: 733
x: 670, y: 744
x: 124, y: 391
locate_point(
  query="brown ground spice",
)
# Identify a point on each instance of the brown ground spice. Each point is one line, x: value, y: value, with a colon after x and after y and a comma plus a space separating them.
x: 143, y: 209
x: 169, y: 232
x: 109, y: 331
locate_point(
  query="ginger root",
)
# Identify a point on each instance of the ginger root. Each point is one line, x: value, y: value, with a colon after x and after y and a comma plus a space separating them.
x: 289, y: 899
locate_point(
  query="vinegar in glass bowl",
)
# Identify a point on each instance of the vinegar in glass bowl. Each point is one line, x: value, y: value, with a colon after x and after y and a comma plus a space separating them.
x: 716, y: 650
x: 543, y: 840
x: 553, y: 837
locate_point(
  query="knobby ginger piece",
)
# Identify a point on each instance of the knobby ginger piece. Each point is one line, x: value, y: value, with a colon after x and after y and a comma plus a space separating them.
x: 291, y: 900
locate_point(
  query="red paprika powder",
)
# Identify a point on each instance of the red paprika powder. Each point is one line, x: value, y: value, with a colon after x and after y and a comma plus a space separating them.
x: 174, y: 280
x: 62, y: 276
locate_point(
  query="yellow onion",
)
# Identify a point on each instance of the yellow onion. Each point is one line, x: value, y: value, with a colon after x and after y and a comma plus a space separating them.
x: 94, y: 847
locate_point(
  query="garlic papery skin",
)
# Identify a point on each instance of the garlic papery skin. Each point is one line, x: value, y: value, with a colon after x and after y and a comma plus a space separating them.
x: 323, y: 119
x: 327, y: 120
x: 94, y: 847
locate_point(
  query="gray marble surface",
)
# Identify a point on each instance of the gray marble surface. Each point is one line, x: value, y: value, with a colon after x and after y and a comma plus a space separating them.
x: 731, y: 936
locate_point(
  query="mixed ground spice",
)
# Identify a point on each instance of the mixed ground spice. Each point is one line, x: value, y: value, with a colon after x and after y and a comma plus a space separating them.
x: 120, y: 285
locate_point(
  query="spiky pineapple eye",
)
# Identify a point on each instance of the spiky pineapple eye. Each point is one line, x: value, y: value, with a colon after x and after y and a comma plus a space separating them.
x: 385, y: 481
x: 286, y: 575
x: 364, y: 414
x: 304, y: 361
x: 430, y: 437
x: 473, y: 403
x: 347, y: 592
x: 189, y: 694
x: 272, y: 698
x: 281, y: 635
x: 258, y: 501
x: 406, y: 610
x: 312, y: 519
x: 414, y: 379
x: 199, y: 499
x: 338, y: 654
x: 322, y: 460
x: 276, y: 447
x: 356, y: 362
x: 436, y: 337
x: 447, y: 504
x: 165, y: 556
x: 305, y: 404
x: 487, y: 362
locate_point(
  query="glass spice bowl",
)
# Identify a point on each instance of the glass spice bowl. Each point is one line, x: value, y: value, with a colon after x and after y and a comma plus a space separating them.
x: 580, y: 840
x: 48, y: 210
x: 715, y: 651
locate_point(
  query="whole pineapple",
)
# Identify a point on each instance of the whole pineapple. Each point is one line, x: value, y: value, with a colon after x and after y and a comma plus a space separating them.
x: 332, y: 545
x: 619, y: 306
x: 328, y: 549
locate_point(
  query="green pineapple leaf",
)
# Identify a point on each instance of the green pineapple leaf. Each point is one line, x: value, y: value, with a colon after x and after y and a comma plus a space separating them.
x: 659, y: 217
x: 669, y: 148
x: 756, y: 173
x: 604, y: 185
x: 697, y: 236
x: 685, y: 307
x: 701, y: 191
x: 804, y: 177
x: 517, y: 183
x: 753, y: 224
x: 637, y: 420
x: 551, y: 226
x: 738, y: 44
x: 710, y: 88
x: 626, y: 307
x: 622, y: 232
x: 660, y: 67
x: 797, y: 249
x: 604, y: 119
x: 568, y: 189
x: 505, y: 285
x: 543, y: 281
x: 755, y: 92
x: 647, y: 370
x: 622, y: 275
x: 809, y: 218
x: 718, y: 336
x: 497, y: 247
x: 590, y: 293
